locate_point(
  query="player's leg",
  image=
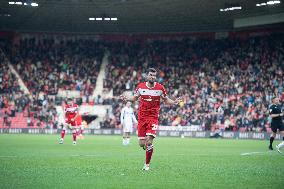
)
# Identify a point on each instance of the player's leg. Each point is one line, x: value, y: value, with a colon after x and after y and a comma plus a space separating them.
x: 124, y: 138
x: 141, y: 128
x: 74, y: 135
x: 81, y: 132
x: 150, y: 135
x: 126, y: 132
x: 78, y: 133
x: 127, y: 138
x: 281, y: 145
x: 74, y: 127
x: 123, y: 135
x: 272, y: 137
x: 62, y: 134
x: 142, y: 143
x: 149, y: 151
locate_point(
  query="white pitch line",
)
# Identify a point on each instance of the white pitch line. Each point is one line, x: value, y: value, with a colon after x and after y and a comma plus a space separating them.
x: 89, y: 155
x: 97, y: 155
x: 252, y: 153
x: 180, y: 154
x: 74, y: 155
x: 8, y: 156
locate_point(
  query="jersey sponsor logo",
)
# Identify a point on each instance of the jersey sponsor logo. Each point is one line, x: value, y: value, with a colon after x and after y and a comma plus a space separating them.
x: 73, y: 109
x: 148, y: 99
x: 150, y: 92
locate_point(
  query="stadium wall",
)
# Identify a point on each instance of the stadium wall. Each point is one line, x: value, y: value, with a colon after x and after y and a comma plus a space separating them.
x: 160, y: 133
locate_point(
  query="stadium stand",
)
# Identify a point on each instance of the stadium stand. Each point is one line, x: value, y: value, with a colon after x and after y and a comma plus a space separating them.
x: 244, y: 74
x: 47, y: 65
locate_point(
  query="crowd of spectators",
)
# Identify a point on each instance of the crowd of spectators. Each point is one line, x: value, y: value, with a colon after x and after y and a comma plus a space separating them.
x: 226, y: 84
x: 39, y: 109
x: 47, y: 65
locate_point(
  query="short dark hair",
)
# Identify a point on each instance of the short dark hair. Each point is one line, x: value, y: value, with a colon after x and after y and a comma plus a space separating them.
x: 153, y: 70
x: 69, y: 99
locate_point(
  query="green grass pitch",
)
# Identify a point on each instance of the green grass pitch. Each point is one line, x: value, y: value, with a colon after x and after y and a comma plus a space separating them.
x: 38, y: 161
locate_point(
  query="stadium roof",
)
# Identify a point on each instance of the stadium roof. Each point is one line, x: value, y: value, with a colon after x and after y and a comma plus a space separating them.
x: 133, y: 16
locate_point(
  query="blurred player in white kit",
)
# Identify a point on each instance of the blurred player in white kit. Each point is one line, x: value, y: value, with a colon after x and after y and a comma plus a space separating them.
x: 127, y: 119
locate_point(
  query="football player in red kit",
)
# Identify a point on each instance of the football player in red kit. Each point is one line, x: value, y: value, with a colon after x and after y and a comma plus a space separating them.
x: 149, y: 94
x: 80, y: 126
x: 71, y: 114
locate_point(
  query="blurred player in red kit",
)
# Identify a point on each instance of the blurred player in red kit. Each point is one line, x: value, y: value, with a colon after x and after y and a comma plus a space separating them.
x: 71, y: 121
x: 149, y: 94
x: 81, y: 125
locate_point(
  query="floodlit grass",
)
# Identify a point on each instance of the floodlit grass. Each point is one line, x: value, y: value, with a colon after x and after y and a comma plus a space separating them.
x: 38, y: 161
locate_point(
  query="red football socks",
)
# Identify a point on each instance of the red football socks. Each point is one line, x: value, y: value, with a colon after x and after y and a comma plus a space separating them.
x: 62, y: 134
x: 149, y: 152
x: 74, y: 136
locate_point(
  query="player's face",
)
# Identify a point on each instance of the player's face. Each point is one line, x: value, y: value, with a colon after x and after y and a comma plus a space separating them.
x: 69, y: 102
x: 128, y: 104
x: 152, y: 76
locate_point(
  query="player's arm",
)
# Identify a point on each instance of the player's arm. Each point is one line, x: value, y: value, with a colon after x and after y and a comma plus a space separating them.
x: 134, y: 118
x: 273, y: 115
x: 129, y: 98
x: 122, y: 115
x: 133, y: 98
x: 169, y: 101
x: 276, y: 115
x: 77, y: 114
x: 65, y: 118
x: 65, y: 112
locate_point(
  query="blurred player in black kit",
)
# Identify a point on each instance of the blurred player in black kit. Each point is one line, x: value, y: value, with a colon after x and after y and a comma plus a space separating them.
x: 276, y: 114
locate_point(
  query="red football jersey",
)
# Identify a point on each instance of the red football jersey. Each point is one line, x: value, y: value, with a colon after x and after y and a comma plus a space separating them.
x: 150, y: 99
x: 71, y: 111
